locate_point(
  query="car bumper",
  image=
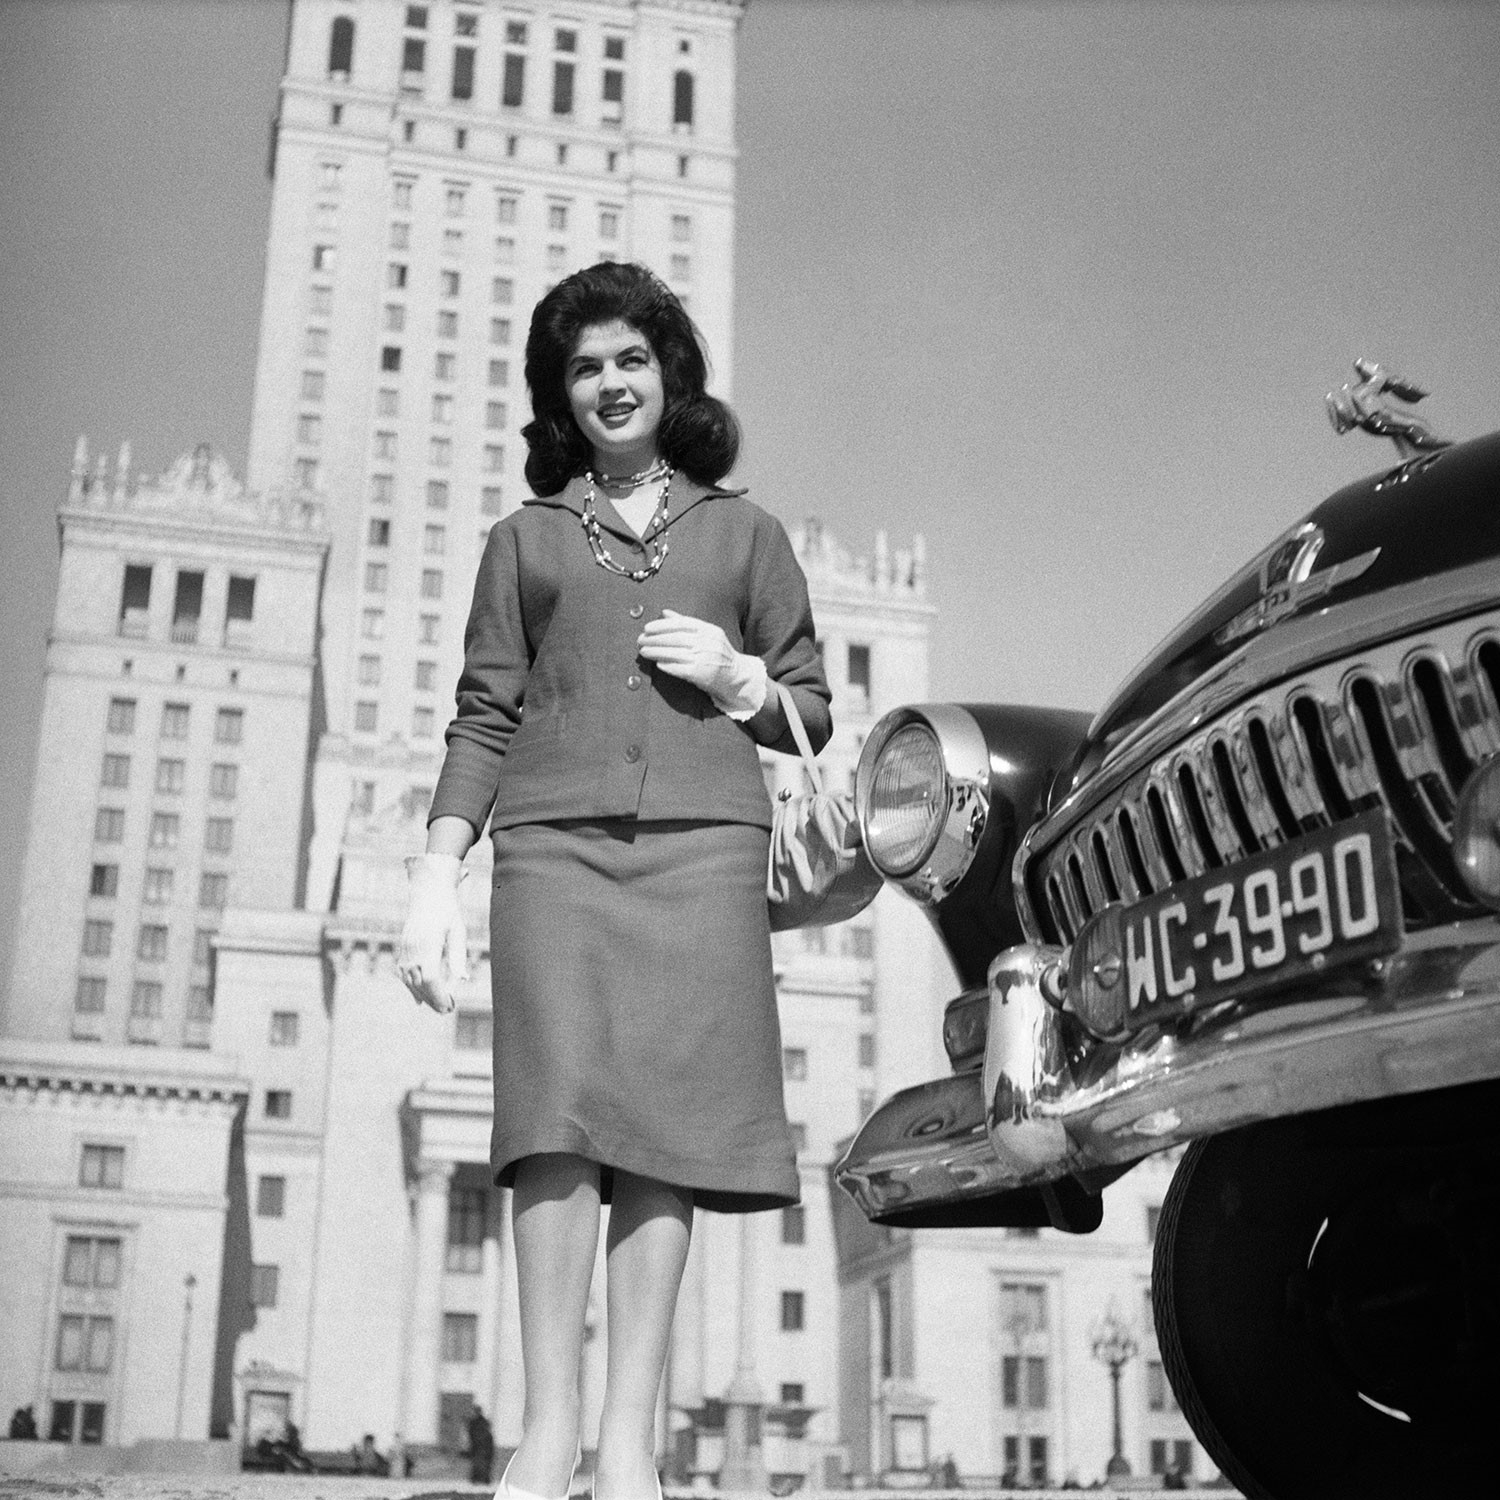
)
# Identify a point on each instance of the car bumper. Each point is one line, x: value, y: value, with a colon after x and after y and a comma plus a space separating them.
x: 1427, y: 1018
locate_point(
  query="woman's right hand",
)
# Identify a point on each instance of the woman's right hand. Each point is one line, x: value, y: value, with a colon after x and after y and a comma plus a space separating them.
x: 434, y: 949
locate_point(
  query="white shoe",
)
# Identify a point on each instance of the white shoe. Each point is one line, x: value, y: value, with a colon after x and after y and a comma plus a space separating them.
x: 508, y: 1491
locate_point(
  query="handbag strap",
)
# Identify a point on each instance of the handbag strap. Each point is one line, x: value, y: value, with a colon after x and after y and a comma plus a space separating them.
x: 799, y: 733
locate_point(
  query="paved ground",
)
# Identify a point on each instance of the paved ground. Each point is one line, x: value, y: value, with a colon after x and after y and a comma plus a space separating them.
x: 334, y: 1487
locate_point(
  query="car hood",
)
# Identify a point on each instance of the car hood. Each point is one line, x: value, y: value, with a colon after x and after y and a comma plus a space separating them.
x: 1438, y: 512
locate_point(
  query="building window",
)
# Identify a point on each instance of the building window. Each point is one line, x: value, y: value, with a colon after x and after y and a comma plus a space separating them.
x: 145, y: 998
x: 413, y: 54
x: 284, y: 1028
x: 151, y: 942
x: 440, y: 452
x: 213, y: 891
x: 203, y: 947
x: 442, y: 409
x: 366, y: 717
x: 104, y: 880
x: 278, y: 1104
x: 463, y: 73
x: 444, y: 365
x: 306, y: 471
x: 239, y: 605
x: 682, y: 98
x: 312, y: 385
x: 315, y: 342
x: 793, y: 1312
x: 428, y: 627
x: 494, y: 458
x: 557, y: 217
x: 400, y: 236
x: 447, y: 324
x: 453, y: 201
x: 794, y: 1225
x: 264, y: 1285
x: 498, y: 374
x: 270, y: 1197
x: 382, y: 489
x: 505, y: 250
x: 434, y: 540
x: 612, y: 93
x: 341, y: 48
x: 85, y: 1344
x: 460, y: 1338
x: 115, y: 771
x: 1023, y: 1378
x: 859, y: 669
x: 121, y: 718
x: 495, y: 412
x: 385, y: 446
x: 222, y: 781
x: 376, y: 575
x: 390, y: 359
x: 490, y: 501
x: 394, y: 317
x: 423, y: 723
x: 101, y: 1167
x: 363, y: 802
x: 513, y: 80
x: 680, y: 268
x: 218, y: 835
x: 794, y: 1063
x: 437, y: 494
x: 557, y: 257
x: 229, y: 726
x: 309, y: 430
x: 109, y: 825
x: 88, y: 998
x: 157, y: 887
x: 91, y: 1262
x: 1023, y: 1309
x: 866, y: 1050
x: 473, y: 1031
x: 682, y: 227
x: 562, y: 88
x: 1172, y: 1456
x: 372, y: 624
x: 369, y: 671
x: 165, y: 829
x: 378, y: 533
x: 320, y: 305
x: 1153, y: 1221
x: 448, y: 283
x: 98, y: 938
x: 323, y: 257
x: 468, y: 1209
x: 798, y: 1132
x: 1159, y: 1394
x: 432, y: 583
x: 401, y: 191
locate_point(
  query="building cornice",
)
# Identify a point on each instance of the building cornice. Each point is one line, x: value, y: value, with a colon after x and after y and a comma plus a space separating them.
x: 31, y: 1069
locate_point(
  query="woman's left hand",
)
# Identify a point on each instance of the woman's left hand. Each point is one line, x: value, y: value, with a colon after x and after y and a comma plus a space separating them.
x: 700, y: 653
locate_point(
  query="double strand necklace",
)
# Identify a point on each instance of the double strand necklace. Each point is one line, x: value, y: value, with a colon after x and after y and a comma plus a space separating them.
x: 657, y: 541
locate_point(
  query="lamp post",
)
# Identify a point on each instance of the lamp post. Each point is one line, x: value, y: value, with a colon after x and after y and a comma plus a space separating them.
x: 1114, y: 1346
x: 188, y: 1283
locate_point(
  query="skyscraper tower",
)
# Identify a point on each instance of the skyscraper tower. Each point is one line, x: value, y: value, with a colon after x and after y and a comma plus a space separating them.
x: 437, y: 167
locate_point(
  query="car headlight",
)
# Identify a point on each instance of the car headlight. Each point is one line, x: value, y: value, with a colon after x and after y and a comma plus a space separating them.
x: 922, y: 793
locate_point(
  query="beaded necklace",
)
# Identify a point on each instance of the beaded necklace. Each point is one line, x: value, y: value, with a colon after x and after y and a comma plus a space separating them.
x: 657, y: 541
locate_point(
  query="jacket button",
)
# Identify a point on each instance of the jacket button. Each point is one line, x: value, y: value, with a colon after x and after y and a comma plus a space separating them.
x: 637, y: 610
x: 633, y: 681
x: 632, y: 753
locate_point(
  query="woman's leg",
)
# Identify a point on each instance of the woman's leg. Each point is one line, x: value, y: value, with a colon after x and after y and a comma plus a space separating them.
x: 556, y: 1212
x: 649, y: 1226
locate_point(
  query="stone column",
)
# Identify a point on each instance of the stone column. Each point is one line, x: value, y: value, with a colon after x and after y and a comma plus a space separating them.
x: 425, y: 1354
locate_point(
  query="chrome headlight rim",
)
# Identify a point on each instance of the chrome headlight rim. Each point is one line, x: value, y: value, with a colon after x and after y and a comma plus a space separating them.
x: 963, y: 797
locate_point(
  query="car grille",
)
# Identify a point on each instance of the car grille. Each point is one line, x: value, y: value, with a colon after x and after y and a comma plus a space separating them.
x: 1400, y: 726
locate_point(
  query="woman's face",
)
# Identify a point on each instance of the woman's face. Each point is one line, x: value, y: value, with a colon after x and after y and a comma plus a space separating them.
x: 615, y: 390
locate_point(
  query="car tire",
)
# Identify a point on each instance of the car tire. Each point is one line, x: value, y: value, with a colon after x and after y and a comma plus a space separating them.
x: 1325, y: 1296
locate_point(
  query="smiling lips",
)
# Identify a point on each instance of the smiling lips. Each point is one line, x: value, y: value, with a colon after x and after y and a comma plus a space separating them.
x: 616, y: 413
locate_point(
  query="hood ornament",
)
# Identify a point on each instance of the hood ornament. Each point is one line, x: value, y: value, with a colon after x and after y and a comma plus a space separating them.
x: 1288, y: 583
x: 1364, y: 403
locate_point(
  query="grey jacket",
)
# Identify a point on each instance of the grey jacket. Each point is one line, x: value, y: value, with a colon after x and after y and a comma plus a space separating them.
x: 558, y: 717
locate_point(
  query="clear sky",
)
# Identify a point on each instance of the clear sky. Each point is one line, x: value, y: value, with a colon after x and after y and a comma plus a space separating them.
x: 1061, y: 286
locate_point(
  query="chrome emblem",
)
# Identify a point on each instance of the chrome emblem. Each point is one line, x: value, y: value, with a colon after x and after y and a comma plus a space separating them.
x: 1288, y: 583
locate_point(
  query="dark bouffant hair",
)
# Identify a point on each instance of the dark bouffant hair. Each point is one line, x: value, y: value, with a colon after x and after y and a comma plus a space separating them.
x: 698, y: 434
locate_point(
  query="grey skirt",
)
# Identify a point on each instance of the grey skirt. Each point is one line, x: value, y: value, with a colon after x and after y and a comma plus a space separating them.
x: 635, y: 1008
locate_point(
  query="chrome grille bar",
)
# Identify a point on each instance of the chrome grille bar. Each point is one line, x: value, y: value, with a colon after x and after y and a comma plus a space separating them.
x: 1399, y: 726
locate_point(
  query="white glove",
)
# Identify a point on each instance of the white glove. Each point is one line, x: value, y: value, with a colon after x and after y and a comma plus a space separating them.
x: 700, y: 653
x: 434, y: 927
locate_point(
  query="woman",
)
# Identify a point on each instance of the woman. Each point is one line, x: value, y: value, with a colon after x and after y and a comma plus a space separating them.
x: 626, y: 624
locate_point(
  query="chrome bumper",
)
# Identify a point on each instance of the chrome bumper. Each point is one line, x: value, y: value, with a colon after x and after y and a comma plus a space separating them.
x: 1425, y: 1019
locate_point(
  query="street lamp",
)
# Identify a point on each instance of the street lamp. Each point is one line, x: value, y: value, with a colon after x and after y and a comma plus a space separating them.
x: 188, y: 1283
x: 1114, y: 1345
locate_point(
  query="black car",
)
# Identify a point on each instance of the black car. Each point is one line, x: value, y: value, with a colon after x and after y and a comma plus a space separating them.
x: 1250, y: 909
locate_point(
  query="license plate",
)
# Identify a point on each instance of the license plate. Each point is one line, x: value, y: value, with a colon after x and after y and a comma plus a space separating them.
x: 1328, y: 898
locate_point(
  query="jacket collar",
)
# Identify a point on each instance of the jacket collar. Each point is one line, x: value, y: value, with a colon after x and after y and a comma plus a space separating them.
x: 686, y: 495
